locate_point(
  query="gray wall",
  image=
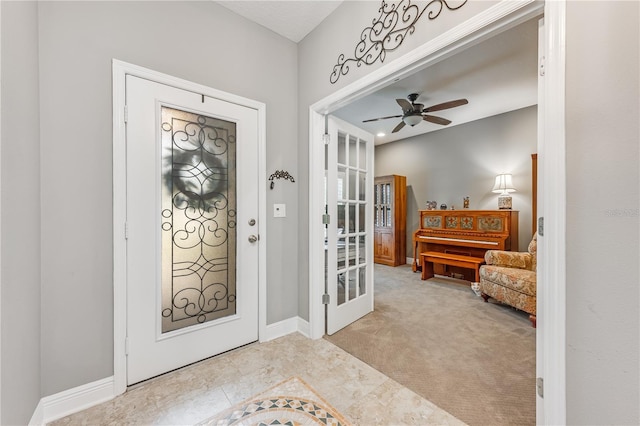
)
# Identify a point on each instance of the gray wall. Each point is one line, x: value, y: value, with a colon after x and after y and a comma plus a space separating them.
x: 71, y: 189
x: 74, y: 43
x: 603, y: 183
x: 459, y: 161
x: 20, y: 213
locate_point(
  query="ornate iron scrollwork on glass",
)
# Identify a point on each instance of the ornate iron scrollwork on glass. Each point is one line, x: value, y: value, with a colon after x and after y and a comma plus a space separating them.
x: 198, y: 210
x: 387, y: 32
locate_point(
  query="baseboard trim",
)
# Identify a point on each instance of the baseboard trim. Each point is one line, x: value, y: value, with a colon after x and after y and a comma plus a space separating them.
x: 284, y: 327
x: 304, y: 328
x: 38, y: 416
x: 71, y: 401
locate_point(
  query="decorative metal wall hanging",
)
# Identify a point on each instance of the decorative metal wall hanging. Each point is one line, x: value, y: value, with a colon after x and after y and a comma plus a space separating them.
x: 388, y: 31
x: 280, y: 174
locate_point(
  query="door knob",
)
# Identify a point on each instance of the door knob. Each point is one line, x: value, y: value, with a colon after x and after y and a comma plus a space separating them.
x: 253, y: 238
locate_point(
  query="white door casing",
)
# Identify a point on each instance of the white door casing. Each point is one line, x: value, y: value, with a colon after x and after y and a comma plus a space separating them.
x: 257, y: 189
x: 540, y: 209
x: 350, y: 229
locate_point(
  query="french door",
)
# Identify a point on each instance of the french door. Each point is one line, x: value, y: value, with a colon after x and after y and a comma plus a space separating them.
x: 192, y: 246
x: 349, y: 236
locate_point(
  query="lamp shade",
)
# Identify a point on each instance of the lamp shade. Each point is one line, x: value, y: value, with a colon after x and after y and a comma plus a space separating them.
x: 412, y: 120
x: 503, y: 184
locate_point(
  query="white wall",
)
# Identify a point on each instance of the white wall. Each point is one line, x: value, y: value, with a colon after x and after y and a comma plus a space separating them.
x: 199, y: 41
x: 460, y: 161
x: 603, y: 184
x: 20, y: 213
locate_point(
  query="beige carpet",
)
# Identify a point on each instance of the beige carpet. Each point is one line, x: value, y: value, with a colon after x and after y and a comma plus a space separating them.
x: 291, y: 402
x: 475, y: 360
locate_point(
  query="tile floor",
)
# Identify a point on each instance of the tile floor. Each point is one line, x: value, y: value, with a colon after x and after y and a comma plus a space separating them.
x: 193, y: 394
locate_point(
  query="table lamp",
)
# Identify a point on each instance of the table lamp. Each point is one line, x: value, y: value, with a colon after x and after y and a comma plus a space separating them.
x: 504, y: 186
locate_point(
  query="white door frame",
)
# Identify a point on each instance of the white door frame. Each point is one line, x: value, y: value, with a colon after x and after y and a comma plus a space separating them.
x: 120, y: 70
x: 497, y: 18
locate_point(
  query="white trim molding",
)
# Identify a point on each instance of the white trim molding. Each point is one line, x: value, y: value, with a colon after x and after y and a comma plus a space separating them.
x: 0, y: 218
x: 120, y: 70
x: 552, y: 246
x: 73, y: 400
x: 284, y: 327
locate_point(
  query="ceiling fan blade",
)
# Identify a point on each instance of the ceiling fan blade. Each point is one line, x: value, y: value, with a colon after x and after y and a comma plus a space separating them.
x: 405, y: 105
x: 436, y: 120
x: 382, y: 118
x: 398, y: 127
x: 446, y: 105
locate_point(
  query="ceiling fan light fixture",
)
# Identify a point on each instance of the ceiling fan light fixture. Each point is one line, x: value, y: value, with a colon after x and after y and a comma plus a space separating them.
x: 412, y: 119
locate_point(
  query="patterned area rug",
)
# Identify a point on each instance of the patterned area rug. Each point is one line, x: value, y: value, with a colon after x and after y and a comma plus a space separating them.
x: 291, y: 402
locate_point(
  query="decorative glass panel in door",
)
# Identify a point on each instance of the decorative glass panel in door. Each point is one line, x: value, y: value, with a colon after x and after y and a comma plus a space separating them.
x: 198, y: 219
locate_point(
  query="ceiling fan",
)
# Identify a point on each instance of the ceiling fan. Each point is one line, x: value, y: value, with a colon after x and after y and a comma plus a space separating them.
x: 413, y: 113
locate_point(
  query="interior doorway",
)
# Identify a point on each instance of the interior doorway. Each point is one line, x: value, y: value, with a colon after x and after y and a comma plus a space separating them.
x: 551, y: 249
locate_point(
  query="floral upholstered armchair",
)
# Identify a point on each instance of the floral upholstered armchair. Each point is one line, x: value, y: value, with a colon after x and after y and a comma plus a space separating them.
x: 510, y: 277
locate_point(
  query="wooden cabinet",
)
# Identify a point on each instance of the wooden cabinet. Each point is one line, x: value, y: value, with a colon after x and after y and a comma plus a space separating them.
x: 390, y: 220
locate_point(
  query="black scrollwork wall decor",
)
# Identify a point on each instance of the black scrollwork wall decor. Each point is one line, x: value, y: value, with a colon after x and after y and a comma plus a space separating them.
x: 395, y: 22
x: 280, y: 174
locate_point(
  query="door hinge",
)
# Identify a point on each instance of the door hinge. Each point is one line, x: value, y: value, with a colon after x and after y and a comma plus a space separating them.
x: 540, y: 386
x: 541, y: 226
x: 326, y: 219
x: 126, y: 113
x: 126, y: 346
x: 126, y: 230
x: 326, y: 138
x: 325, y: 299
x: 541, y: 69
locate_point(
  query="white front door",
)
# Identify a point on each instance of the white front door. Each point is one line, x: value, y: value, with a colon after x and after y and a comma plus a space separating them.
x: 192, y: 206
x: 349, y: 245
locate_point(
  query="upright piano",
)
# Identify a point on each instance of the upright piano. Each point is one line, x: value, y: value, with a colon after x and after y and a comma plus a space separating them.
x: 465, y: 232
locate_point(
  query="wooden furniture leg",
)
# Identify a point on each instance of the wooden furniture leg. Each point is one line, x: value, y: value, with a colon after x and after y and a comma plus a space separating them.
x: 427, y: 268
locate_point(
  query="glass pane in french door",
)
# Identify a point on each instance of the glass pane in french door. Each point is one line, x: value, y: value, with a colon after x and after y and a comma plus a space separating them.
x: 352, y: 209
x: 198, y: 210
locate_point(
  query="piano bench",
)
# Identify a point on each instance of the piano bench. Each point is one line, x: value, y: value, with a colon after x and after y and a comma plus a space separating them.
x: 428, y: 258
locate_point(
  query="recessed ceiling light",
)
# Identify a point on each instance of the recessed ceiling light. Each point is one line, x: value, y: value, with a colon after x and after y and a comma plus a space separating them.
x: 381, y: 134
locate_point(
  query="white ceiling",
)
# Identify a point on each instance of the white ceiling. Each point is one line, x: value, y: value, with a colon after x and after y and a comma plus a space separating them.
x: 291, y: 19
x: 496, y: 76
